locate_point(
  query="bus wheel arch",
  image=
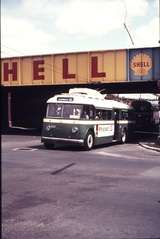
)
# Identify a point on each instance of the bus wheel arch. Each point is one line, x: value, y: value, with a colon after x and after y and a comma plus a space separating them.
x: 49, y: 146
x: 89, y: 140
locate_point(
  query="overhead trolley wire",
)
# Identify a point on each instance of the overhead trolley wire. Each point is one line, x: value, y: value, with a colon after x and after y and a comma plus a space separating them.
x: 125, y: 24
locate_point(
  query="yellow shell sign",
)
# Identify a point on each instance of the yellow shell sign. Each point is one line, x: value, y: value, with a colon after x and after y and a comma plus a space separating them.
x: 141, y: 64
x: 108, y: 66
x: 66, y: 68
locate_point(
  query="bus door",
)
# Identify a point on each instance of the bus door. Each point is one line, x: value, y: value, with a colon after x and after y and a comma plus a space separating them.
x: 116, y: 124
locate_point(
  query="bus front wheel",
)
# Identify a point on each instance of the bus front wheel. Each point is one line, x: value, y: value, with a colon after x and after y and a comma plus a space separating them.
x: 48, y: 146
x: 89, y: 141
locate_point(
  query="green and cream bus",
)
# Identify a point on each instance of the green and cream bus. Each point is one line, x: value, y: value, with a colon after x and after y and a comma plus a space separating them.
x: 84, y: 117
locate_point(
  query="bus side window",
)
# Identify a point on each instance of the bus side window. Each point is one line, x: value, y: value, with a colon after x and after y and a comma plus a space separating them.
x: 124, y: 115
x: 88, y: 112
x: 112, y: 115
x: 85, y: 115
x: 103, y: 115
x: 98, y: 115
x: 108, y: 114
x: 116, y: 114
x: 91, y: 112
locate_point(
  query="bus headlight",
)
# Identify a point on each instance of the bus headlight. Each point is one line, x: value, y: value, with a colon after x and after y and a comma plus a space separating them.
x: 48, y: 127
x: 74, y: 129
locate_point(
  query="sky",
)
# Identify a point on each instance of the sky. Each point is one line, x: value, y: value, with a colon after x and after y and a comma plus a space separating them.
x: 35, y: 27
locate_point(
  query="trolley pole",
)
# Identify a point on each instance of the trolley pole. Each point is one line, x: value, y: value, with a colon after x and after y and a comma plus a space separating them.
x: 159, y: 21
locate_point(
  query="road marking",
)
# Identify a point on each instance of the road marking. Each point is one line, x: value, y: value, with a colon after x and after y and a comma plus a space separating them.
x: 153, y: 172
x: 116, y: 155
x: 62, y: 169
x: 123, y: 156
x: 24, y: 149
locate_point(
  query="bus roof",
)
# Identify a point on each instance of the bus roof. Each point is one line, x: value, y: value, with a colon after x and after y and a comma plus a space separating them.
x: 87, y: 96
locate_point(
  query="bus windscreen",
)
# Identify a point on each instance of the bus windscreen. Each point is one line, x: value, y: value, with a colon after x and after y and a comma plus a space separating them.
x: 67, y: 111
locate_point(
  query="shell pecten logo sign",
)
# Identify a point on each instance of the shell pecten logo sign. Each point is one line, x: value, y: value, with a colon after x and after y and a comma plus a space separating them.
x: 141, y: 64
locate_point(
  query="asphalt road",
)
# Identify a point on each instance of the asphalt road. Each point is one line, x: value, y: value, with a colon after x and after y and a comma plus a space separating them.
x: 111, y: 192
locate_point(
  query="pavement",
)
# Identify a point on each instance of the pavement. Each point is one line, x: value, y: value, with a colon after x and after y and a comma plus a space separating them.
x: 152, y: 143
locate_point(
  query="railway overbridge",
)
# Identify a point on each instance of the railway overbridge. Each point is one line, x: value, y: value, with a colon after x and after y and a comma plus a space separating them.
x: 28, y: 81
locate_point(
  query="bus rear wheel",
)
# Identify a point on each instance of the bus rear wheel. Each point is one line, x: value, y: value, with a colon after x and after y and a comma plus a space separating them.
x: 124, y: 137
x: 89, y: 141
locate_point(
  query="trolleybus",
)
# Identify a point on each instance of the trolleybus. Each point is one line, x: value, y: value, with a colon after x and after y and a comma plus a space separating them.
x: 84, y: 117
x: 146, y: 115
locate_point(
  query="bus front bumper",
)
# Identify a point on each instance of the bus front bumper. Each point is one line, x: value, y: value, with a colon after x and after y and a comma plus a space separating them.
x: 63, y: 140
